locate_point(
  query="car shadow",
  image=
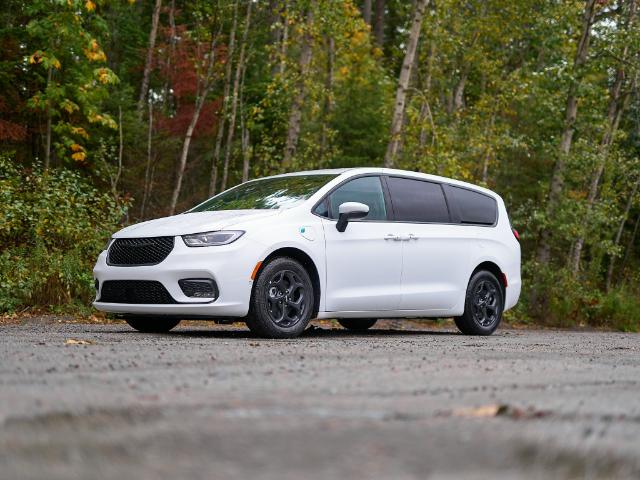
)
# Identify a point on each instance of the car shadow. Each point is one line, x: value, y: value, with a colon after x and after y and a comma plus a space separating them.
x: 313, y: 332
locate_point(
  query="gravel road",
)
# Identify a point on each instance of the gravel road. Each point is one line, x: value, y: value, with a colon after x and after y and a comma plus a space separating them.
x: 83, y: 401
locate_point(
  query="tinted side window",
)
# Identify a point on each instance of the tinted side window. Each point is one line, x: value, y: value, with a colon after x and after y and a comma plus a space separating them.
x: 474, y: 207
x: 417, y: 201
x: 367, y: 190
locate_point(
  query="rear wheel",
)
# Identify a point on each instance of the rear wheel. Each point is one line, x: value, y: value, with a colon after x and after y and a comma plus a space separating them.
x: 152, y: 324
x: 357, y: 324
x: 283, y: 300
x: 483, y: 307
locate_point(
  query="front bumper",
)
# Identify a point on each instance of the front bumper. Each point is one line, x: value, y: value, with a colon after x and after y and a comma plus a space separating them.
x: 230, y: 266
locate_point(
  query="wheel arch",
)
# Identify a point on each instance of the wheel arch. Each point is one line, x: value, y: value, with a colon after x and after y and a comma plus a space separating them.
x: 306, y: 261
x: 492, y: 267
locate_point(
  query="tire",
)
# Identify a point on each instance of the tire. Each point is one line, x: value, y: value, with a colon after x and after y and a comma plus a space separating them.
x: 483, y: 306
x: 283, y: 300
x: 152, y: 324
x: 357, y: 324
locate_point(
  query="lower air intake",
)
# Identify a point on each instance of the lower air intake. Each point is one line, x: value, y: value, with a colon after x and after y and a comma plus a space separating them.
x: 135, y: 291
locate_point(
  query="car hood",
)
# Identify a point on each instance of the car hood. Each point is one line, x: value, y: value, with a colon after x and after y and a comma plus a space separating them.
x: 195, y: 222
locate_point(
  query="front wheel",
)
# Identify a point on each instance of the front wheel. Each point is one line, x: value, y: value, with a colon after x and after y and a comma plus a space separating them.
x: 483, y: 305
x: 283, y: 300
x: 357, y: 324
x: 152, y: 324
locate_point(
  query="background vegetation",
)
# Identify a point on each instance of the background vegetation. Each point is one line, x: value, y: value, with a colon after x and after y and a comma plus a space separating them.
x: 117, y: 111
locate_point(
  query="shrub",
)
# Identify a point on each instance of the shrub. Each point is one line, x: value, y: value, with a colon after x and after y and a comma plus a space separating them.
x: 568, y: 300
x: 52, y: 228
x: 620, y: 309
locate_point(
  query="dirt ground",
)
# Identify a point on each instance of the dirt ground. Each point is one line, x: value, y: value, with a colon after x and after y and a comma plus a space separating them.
x: 405, y: 400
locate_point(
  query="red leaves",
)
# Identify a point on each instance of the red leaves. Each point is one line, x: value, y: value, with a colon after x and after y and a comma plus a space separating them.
x: 177, y: 124
x: 10, y: 131
x: 180, y: 62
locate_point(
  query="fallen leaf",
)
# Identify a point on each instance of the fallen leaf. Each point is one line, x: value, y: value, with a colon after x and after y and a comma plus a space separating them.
x: 75, y: 341
x: 480, y: 412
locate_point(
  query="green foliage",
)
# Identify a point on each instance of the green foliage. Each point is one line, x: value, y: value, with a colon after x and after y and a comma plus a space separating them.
x: 65, y: 37
x: 52, y: 228
x: 569, y: 301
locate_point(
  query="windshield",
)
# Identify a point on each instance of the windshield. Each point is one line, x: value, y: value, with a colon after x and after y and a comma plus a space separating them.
x: 268, y: 193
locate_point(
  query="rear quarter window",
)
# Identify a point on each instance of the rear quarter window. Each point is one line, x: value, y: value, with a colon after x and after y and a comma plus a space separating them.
x: 474, y: 208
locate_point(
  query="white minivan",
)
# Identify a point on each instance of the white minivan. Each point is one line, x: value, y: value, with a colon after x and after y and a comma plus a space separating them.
x: 354, y: 245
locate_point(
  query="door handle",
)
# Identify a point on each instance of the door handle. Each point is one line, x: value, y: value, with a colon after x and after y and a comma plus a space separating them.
x: 404, y: 238
x: 391, y: 236
x: 413, y: 237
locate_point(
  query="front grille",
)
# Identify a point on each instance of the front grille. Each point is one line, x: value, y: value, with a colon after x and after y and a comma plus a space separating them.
x: 135, y: 291
x: 139, y: 251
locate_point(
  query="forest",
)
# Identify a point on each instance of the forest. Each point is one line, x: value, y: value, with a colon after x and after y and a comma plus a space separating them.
x: 117, y: 111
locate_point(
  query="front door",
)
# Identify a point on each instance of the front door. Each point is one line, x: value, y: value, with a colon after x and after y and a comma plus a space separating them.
x: 363, y: 263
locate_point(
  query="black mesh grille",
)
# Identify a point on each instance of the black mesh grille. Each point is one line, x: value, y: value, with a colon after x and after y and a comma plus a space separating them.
x: 135, y: 291
x: 139, y: 251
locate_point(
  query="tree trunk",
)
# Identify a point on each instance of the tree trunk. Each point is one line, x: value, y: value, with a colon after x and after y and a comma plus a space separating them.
x: 225, y: 103
x: 170, y: 53
x: 147, y: 171
x: 403, y: 84
x: 366, y: 11
x: 458, y: 92
x: 425, y: 109
x: 144, y: 88
x: 614, y: 113
x: 571, y: 113
x: 234, y: 99
x: 328, y: 99
x: 116, y: 180
x: 295, y: 114
x: 378, y: 26
x: 47, y: 138
x: 488, y: 151
x: 246, y: 153
x: 244, y: 130
x: 201, y: 97
x: 182, y: 164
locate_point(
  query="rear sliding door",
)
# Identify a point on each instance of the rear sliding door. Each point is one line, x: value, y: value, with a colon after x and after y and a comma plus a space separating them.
x: 436, y: 252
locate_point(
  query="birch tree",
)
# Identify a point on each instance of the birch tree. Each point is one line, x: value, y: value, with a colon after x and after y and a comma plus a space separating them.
x: 618, y: 103
x: 295, y: 113
x: 571, y: 112
x: 403, y: 83
x: 205, y: 83
x: 144, y: 87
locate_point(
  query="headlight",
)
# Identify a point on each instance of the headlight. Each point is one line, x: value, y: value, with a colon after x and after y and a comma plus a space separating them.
x: 106, y: 247
x: 209, y: 239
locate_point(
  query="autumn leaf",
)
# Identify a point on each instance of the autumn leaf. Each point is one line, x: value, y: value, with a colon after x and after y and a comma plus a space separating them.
x: 76, y: 341
x: 79, y: 157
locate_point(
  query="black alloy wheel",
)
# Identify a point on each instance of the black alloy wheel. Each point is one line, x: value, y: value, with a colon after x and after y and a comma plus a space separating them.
x: 286, y: 298
x: 484, y: 304
x: 282, y: 301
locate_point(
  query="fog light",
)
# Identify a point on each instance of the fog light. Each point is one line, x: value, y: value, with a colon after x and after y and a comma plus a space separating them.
x: 199, y: 288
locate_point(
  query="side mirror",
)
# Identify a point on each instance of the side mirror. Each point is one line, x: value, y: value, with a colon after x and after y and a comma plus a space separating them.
x: 350, y: 211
